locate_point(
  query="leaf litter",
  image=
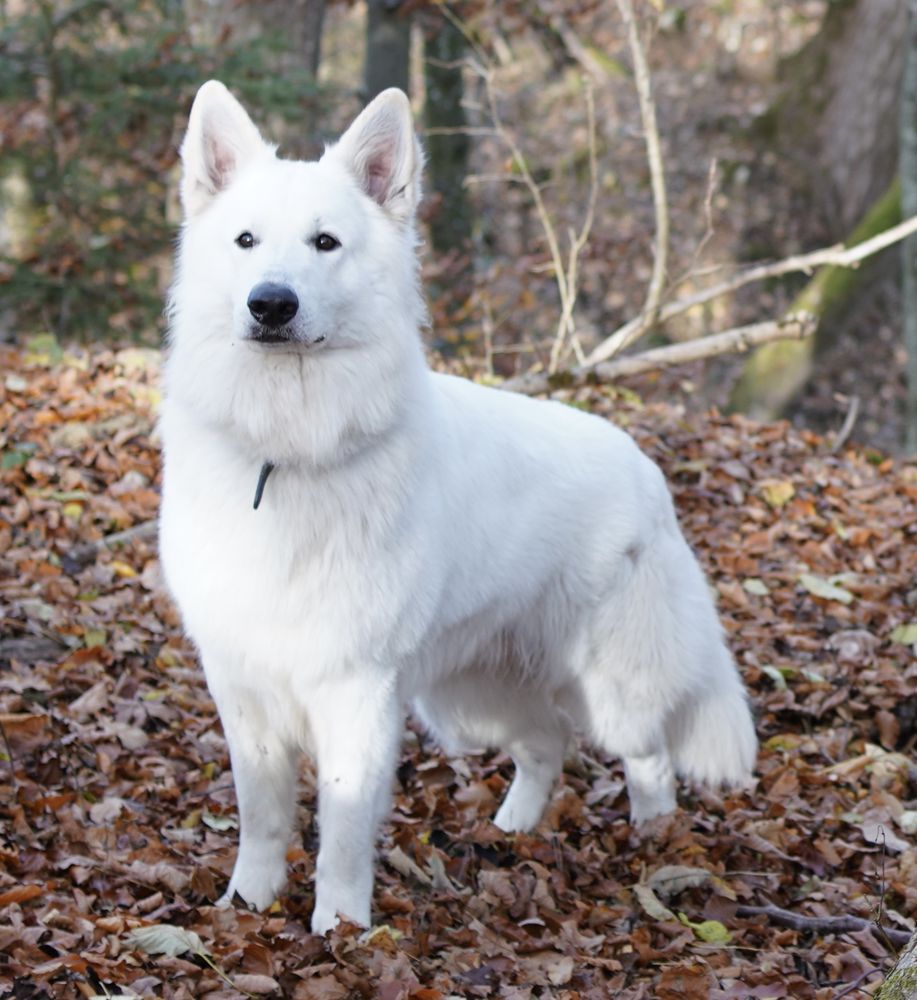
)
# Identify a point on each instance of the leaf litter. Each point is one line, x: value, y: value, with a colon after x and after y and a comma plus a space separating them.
x: 117, y: 813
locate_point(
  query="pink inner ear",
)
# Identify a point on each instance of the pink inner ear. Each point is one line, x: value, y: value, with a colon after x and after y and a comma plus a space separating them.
x: 221, y: 163
x: 378, y: 177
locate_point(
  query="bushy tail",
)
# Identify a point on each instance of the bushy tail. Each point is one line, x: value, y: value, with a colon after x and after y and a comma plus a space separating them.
x: 712, y: 738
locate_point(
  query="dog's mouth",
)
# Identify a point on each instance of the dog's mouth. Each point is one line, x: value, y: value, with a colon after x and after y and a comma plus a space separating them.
x: 284, y: 336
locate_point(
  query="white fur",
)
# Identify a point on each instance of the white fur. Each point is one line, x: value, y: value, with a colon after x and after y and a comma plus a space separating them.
x: 512, y: 568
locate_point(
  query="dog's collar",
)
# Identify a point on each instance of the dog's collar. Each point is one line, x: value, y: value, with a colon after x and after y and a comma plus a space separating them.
x: 266, y: 470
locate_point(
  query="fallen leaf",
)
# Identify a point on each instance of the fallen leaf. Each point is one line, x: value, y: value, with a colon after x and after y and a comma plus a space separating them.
x: 823, y: 588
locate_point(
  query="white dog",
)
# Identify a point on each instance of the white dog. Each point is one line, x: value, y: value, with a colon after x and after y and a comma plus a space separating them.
x: 347, y: 533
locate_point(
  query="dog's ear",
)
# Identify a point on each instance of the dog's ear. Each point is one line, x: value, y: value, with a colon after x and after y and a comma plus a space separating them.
x: 220, y: 139
x: 383, y: 154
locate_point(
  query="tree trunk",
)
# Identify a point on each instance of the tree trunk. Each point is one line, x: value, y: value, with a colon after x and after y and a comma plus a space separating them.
x: 447, y: 145
x: 776, y: 373
x: 909, y: 208
x: 901, y: 982
x: 838, y: 119
x: 837, y: 116
x: 388, y: 47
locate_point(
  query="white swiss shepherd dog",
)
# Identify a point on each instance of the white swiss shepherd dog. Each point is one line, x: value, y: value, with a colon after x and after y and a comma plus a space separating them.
x: 509, y: 568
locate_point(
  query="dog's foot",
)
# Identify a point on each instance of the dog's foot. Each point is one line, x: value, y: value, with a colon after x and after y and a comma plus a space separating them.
x: 519, y: 812
x: 650, y: 787
x: 256, y: 888
x: 325, y: 915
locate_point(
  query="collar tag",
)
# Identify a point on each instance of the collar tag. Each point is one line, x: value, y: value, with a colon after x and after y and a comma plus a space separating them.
x: 266, y: 470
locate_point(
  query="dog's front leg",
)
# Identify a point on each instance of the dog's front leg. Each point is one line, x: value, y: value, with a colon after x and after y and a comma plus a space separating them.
x: 264, y: 766
x: 356, y: 725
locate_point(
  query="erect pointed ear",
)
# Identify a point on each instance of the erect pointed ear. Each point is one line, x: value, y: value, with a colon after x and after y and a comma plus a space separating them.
x: 220, y: 139
x: 383, y: 154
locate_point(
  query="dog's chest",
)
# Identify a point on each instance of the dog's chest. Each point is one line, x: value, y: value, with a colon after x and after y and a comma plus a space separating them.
x: 322, y: 571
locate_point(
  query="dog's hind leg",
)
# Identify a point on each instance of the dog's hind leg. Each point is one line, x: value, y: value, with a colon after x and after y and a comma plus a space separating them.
x: 538, y: 756
x: 474, y: 710
x: 662, y: 691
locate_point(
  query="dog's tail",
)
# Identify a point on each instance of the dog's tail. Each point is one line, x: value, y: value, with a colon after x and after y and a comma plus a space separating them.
x: 712, y: 736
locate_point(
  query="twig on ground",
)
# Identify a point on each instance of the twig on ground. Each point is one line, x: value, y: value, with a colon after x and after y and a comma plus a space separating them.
x: 855, y: 985
x: 837, y: 256
x: 739, y: 339
x: 650, y: 312
x: 831, y: 925
x: 138, y: 532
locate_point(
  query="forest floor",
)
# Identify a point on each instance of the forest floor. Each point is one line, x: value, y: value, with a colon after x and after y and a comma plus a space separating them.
x: 117, y: 815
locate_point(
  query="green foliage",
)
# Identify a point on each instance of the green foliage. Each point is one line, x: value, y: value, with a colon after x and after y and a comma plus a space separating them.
x: 93, y: 98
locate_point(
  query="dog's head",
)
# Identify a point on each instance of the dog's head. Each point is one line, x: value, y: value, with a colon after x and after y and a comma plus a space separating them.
x: 299, y: 257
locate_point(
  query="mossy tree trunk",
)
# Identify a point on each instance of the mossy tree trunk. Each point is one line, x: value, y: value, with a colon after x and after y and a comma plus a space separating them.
x: 775, y: 373
x: 837, y: 114
x: 901, y: 982
x: 837, y: 119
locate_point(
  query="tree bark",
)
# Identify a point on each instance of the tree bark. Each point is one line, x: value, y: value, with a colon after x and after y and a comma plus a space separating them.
x: 901, y: 982
x: 447, y: 144
x: 838, y: 119
x: 388, y: 48
x: 838, y: 113
x: 776, y: 373
x: 909, y: 206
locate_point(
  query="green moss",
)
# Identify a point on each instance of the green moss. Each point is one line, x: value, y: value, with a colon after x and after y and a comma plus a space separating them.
x: 900, y: 985
x: 776, y: 372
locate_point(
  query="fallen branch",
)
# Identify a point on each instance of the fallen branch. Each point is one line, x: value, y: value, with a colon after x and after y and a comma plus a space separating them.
x: 830, y: 925
x: 739, y: 339
x: 837, y: 256
x: 144, y: 531
x: 649, y: 315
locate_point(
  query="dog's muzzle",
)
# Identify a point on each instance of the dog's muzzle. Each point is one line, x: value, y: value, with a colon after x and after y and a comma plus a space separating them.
x: 272, y: 306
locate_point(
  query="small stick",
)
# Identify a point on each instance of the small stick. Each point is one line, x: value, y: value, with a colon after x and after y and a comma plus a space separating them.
x: 831, y: 925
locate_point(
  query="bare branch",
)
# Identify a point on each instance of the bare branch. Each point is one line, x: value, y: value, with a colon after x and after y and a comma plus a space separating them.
x: 650, y: 312
x: 737, y: 340
x: 837, y: 256
x: 853, y: 411
x: 577, y: 50
x: 566, y: 328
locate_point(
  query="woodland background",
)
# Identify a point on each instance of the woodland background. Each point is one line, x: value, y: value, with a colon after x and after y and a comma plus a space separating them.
x: 552, y: 224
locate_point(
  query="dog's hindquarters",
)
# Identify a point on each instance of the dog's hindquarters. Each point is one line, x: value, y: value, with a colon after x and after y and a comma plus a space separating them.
x: 662, y: 691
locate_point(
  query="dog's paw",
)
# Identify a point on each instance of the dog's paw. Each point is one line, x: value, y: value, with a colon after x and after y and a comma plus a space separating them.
x: 256, y: 890
x: 518, y: 814
x: 644, y: 808
x: 323, y: 920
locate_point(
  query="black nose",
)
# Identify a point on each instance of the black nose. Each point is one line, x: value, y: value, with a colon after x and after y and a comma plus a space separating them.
x: 272, y: 304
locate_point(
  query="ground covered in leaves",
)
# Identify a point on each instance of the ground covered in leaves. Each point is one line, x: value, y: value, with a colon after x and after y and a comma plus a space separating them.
x: 117, y: 817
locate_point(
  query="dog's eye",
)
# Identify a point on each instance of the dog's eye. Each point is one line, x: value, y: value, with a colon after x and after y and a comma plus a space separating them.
x: 245, y: 240
x: 325, y: 242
